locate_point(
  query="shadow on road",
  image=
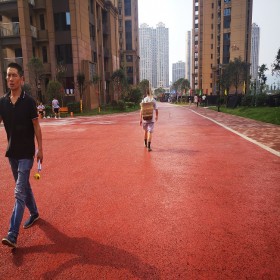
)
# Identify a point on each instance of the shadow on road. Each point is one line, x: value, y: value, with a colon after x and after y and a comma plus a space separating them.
x: 87, y: 251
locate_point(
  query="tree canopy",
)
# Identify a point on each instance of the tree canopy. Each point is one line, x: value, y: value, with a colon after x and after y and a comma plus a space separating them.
x: 276, y: 64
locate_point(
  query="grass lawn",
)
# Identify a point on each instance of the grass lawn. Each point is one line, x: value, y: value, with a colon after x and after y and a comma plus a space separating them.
x: 264, y: 114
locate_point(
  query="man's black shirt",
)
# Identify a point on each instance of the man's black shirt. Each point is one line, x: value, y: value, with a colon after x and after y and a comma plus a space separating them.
x: 17, y: 119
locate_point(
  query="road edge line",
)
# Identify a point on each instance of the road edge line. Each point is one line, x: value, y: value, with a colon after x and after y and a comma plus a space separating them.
x: 276, y: 153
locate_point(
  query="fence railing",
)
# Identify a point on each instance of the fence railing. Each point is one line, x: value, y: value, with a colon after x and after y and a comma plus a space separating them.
x: 12, y: 29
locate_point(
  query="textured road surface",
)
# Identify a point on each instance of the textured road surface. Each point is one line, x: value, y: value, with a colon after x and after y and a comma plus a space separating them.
x: 204, y: 204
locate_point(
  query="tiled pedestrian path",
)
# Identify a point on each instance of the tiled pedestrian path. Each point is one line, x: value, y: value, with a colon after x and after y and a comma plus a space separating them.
x: 262, y: 133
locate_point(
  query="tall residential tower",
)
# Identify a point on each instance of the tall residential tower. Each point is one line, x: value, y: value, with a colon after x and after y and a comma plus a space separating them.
x: 154, y: 55
x: 188, y: 70
x: 255, y: 46
x: 221, y: 32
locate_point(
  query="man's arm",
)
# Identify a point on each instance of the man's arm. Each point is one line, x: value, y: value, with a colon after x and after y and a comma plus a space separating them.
x: 38, y: 135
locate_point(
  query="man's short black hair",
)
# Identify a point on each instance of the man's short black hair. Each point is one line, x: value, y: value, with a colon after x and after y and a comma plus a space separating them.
x: 16, y: 66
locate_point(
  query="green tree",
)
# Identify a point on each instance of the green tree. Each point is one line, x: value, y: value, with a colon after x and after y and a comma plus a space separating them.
x: 237, y: 72
x: 54, y: 89
x: 96, y: 81
x: 36, y: 71
x: 61, y: 70
x: 144, y: 86
x: 159, y: 91
x: 120, y: 83
x: 276, y: 65
x: 185, y: 86
x: 262, y: 77
x: 82, y: 84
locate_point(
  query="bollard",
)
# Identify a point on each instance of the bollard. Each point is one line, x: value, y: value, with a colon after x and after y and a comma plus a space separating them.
x: 72, y: 115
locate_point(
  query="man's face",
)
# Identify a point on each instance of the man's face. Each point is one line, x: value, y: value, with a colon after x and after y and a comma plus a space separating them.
x: 14, y: 80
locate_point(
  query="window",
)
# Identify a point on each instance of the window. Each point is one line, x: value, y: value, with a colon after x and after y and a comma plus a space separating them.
x: 91, y: 31
x: 42, y: 22
x: 227, y: 1
x: 44, y: 54
x: 62, y: 21
x: 129, y: 70
x: 64, y: 53
x: 227, y: 11
x: 127, y: 7
x: 91, y: 6
x: 128, y: 34
x: 129, y: 58
x: 227, y: 21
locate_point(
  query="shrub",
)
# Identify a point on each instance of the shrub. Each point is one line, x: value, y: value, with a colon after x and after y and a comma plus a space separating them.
x: 74, y: 107
x: 121, y: 105
x: 247, y: 100
x: 130, y: 104
x: 261, y: 99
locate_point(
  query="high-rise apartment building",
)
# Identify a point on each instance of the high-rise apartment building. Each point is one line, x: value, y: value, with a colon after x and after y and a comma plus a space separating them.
x: 154, y: 55
x: 82, y: 36
x: 188, y: 70
x: 178, y: 71
x: 255, y: 46
x: 129, y: 42
x: 147, y: 50
x: 221, y: 32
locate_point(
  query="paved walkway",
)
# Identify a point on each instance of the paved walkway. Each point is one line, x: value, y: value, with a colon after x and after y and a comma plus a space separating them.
x: 265, y: 135
x: 204, y: 204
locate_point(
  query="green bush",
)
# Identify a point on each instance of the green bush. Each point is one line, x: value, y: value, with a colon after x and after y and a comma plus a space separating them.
x: 130, y: 104
x: 114, y: 104
x: 121, y: 105
x: 74, y: 107
x: 261, y: 99
x: 48, y: 110
x: 247, y: 100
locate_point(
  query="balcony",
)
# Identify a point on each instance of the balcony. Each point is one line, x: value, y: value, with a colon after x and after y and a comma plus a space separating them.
x: 8, y: 8
x: 8, y: 60
x: 47, y: 68
x: 10, y: 29
x: 42, y: 36
x: 40, y: 5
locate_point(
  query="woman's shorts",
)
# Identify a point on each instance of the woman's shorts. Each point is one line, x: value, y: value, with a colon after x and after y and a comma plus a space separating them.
x: 148, y: 126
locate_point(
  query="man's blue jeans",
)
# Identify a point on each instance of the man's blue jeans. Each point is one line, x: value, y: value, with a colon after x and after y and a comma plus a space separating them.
x: 23, y: 193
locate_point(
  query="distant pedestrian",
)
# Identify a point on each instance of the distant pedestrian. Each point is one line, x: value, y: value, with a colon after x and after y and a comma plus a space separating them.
x: 41, y: 110
x: 147, y: 118
x: 55, y: 108
x: 196, y: 100
x: 19, y: 114
x: 204, y: 100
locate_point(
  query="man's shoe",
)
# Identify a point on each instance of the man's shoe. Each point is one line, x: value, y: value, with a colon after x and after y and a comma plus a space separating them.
x: 10, y: 241
x: 149, y: 149
x: 31, y: 221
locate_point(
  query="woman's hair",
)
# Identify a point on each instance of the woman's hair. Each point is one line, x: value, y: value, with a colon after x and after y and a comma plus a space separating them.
x: 149, y: 90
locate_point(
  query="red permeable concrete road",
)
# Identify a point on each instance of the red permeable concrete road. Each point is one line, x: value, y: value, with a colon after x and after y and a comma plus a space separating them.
x: 204, y: 204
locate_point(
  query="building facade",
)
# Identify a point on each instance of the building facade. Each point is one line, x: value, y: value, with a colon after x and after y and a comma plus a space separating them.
x: 129, y: 41
x: 82, y: 36
x: 154, y: 55
x: 188, y: 70
x: 221, y: 32
x: 255, y: 46
x: 178, y: 71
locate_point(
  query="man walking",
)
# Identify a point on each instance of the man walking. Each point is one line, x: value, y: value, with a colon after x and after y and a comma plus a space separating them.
x: 148, y: 121
x: 19, y: 114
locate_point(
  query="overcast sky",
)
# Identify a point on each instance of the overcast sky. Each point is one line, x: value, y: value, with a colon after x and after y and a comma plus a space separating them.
x: 177, y: 16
